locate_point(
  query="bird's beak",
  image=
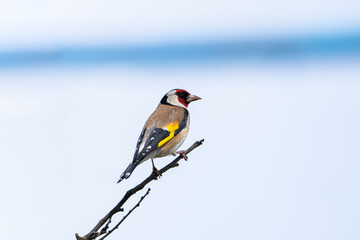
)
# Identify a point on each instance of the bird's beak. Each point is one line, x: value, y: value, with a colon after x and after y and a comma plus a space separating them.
x: 192, y: 98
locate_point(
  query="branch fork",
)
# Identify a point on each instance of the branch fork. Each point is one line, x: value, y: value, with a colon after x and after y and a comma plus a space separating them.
x: 95, y: 233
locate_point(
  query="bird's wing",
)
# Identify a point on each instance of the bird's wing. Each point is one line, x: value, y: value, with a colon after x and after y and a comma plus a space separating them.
x: 163, y: 125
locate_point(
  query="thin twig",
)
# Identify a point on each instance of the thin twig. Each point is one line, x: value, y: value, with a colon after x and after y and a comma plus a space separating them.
x: 129, y: 193
x: 123, y: 219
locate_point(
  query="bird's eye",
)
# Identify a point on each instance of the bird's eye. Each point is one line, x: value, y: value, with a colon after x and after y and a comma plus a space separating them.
x: 182, y: 94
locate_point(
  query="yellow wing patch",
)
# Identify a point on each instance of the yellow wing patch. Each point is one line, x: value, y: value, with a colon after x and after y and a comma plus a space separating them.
x: 172, y: 127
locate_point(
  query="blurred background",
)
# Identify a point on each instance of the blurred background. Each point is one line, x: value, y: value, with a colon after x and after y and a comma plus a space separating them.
x: 280, y: 115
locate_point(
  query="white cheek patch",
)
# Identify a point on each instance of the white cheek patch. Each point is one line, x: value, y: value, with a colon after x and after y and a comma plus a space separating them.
x: 174, y: 100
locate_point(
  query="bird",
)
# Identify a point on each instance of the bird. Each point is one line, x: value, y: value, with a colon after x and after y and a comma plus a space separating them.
x: 164, y: 131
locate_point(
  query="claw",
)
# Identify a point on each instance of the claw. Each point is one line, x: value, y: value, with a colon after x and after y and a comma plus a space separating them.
x: 182, y: 154
x: 157, y: 173
x: 155, y: 170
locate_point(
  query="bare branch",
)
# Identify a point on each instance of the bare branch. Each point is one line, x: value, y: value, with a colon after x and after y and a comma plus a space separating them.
x: 123, y: 219
x: 93, y: 234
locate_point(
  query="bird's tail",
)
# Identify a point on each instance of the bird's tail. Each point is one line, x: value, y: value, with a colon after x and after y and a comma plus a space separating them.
x: 126, y: 174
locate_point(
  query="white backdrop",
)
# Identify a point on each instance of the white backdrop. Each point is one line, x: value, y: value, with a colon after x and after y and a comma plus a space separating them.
x: 281, y: 152
x: 280, y: 158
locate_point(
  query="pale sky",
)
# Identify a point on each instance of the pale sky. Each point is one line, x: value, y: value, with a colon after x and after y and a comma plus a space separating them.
x: 44, y: 23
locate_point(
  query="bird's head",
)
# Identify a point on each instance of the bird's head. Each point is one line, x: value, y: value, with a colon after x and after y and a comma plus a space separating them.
x: 178, y: 97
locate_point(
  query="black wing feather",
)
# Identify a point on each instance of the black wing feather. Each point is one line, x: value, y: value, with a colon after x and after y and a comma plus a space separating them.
x: 141, y: 137
x: 151, y: 144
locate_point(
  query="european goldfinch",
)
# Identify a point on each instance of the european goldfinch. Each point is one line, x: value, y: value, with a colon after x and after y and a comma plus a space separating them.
x: 164, y: 131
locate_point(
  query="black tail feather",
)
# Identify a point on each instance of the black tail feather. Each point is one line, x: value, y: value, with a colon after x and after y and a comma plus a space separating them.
x: 127, y: 173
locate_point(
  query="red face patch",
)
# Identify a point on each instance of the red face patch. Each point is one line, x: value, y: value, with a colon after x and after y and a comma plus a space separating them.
x: 182, y: 101
x: 182, y: 95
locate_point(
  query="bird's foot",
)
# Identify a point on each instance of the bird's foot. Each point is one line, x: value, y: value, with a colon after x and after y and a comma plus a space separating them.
x: 157, y: 173
x: 182, y: 154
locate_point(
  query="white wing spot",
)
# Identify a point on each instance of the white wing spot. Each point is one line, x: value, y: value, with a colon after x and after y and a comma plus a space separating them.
x: 149, y: 147
x: 152, y: 138
x: 143, y: 154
